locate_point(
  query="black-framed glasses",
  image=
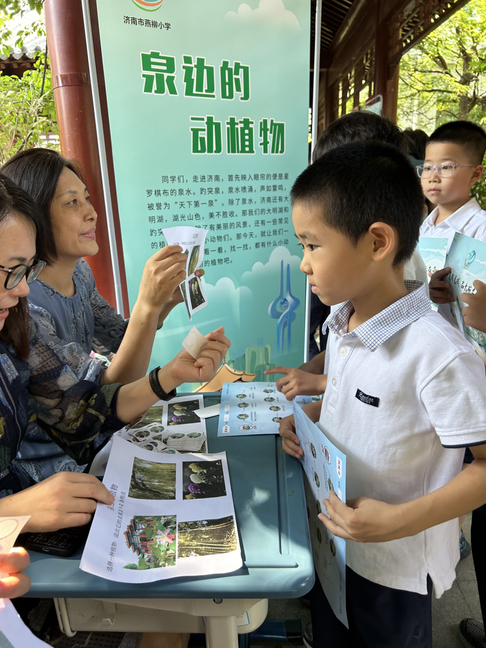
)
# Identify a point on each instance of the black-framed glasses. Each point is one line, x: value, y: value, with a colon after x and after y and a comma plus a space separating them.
x: 18, y: 272
x: 445, y: 170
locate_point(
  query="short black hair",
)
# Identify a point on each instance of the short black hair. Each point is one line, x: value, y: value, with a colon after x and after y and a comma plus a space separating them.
x: 358, y: 184
x: 417, y: 141
x: 37, y: 172
x: 358, y: 127
x: 471, y: 136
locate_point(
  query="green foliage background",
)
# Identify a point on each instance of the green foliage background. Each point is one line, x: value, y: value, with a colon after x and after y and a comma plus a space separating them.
x: 443, y: 78
x: 28, y: 111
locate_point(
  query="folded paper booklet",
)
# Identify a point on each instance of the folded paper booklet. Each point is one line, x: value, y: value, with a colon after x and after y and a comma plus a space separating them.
x: 325, y: 470
x: 433, y: 252
x: 173, y: 516
x: 191, y: 240
x: 467, y: 261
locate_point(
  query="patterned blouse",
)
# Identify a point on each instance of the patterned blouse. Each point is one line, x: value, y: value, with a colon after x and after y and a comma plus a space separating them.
x: 45, y: 390
x: 73, y: 327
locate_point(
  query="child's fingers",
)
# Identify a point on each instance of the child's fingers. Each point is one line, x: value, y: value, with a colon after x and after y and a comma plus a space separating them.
x: 334, y: 528
x: 277, y: 370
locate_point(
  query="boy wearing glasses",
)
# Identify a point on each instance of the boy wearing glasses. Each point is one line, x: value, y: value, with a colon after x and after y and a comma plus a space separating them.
x: 453, y: 164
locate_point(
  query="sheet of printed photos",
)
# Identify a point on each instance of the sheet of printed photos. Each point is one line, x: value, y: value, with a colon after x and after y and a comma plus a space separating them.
x: 173, y: 515
x: 170, y: 427
x: 325, y: 470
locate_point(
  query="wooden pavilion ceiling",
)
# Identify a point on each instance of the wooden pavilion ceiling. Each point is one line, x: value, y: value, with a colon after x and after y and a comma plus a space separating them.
x: 334, y: 13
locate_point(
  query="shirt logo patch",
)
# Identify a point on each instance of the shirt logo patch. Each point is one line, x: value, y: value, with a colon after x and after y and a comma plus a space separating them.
x: 369, y: 400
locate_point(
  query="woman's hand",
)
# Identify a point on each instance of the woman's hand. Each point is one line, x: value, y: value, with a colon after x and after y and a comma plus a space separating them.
x: 162, y: 274
x: 184, y: 368
x: 174, y: 299
x: 63, y: 500
x: 15, y: 583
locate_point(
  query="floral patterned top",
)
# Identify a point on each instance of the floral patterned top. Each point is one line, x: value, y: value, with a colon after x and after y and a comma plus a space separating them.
x: 73, y: 327
x: 45, y: 391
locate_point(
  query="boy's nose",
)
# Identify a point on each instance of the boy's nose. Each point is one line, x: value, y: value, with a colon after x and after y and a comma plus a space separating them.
x: 304, y: 266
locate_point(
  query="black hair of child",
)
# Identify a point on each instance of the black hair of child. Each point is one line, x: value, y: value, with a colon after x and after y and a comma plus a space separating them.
x: 471, y: 136
x: 417, y: 141
x: 358, y: 127
x: 359, y: 184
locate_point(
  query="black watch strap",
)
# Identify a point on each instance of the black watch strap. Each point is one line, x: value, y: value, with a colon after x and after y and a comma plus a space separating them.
x: 157, y: 389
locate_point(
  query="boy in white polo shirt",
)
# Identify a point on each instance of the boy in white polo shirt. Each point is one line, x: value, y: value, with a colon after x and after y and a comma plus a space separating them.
x: 406, y: 394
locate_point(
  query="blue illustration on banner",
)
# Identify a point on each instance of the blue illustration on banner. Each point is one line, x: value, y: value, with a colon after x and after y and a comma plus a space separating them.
x: 283, y: 309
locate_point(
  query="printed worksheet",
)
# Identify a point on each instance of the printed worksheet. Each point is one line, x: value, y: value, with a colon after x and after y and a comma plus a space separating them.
x: 467, y: 261
x: 191, y: 240
x: 325, y: 469
x: 251, y: 408
x: 173, y: 515
x: 170, y: 427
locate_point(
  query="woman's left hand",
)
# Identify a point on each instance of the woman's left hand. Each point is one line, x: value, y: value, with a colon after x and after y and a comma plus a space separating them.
x: 174, y: 299
x: 184, y: 368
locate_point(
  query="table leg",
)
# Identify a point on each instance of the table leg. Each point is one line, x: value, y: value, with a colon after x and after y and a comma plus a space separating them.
x: 221, y: 632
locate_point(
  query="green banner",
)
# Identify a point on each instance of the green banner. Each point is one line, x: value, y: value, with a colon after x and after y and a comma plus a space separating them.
x: 208, y: 105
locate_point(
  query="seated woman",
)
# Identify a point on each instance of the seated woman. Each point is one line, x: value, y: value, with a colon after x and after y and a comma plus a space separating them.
x: 36, y: 383
x: 70, y: 313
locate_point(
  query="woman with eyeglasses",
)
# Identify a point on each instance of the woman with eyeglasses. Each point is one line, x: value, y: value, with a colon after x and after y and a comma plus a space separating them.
x: 65, y: 303
x: 36, y: 383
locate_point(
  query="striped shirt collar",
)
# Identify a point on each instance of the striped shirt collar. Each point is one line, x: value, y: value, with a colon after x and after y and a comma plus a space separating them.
x: 381, y: 327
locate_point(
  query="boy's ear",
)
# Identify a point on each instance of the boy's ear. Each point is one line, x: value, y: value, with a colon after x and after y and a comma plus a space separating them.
x: 383, y: 239
x: 477, y: 174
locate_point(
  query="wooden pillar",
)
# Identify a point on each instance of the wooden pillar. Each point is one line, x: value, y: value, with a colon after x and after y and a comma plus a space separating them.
x: 392, y: 95
x: 74, y: 108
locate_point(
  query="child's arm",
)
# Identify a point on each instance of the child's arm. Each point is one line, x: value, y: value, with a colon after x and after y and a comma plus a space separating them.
x: 308, y: 379
x: 440, y: 290
x: 475, y: 311
x: 368, y: 520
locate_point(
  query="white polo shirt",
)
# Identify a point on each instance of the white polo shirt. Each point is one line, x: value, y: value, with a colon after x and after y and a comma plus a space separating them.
x: 405, y: 395
x: 469, y: 219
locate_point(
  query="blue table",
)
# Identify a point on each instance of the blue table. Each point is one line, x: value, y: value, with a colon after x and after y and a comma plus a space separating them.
x: 271, y: 515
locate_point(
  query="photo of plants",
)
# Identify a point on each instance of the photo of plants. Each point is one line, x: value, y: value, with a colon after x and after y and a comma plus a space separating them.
x: 152, y: 481
x: 203, y: 479
x: 153, y: 539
